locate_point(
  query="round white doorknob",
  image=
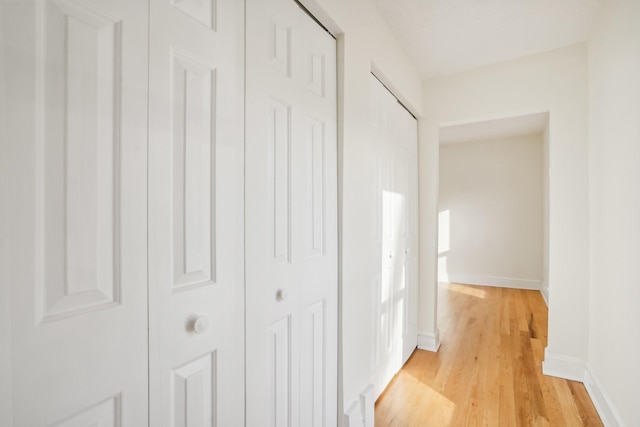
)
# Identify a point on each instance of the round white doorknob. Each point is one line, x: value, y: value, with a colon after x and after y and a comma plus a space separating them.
x: 200, y: 324
x: 282, y: 294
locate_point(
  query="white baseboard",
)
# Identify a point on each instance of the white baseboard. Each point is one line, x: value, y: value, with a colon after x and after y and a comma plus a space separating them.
x: 502, y: 282
x: 569, y: 368
x: 575, y: 369
x: 429, y: 341
x: 601, y: 400
x: 545, y: 294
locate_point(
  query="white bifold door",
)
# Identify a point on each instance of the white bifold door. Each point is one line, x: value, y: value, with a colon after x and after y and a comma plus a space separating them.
x: 125, y: 166
x: 395, y: 233
x: 291, y: 220
x: 76, y: 97
x: 196, y: 270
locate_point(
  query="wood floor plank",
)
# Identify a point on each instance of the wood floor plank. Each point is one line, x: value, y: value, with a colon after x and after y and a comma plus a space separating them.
x: 488, y: 371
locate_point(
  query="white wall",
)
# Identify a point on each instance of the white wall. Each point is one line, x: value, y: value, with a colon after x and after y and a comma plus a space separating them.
x: 490, y: 209
x: 556, y: 82
x: 6, y: 396
x: 545, y: 214
x: 614, y: 138
x: 365, y: 43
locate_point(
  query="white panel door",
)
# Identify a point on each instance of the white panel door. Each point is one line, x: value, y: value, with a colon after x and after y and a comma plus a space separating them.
x: 395, y: 231
x: 291, y: 218
x: 407, y: 255
x: 76, y: 74
x: 196, y: 268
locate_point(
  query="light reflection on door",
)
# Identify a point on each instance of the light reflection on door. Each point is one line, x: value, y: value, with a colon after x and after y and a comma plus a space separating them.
x: 392, y: 289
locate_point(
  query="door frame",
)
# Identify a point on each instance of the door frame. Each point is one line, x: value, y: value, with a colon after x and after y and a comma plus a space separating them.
x: 6, y: 350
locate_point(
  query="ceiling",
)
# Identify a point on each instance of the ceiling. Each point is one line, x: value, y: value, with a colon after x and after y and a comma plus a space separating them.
x: 509, y: 127
x: 450, y: 36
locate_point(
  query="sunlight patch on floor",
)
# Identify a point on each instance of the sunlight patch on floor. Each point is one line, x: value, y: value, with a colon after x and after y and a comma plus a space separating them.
x: 467, y: 290
x: 438, y: 407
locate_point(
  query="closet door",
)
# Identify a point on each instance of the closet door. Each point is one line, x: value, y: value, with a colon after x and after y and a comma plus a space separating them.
x: 291, y: 224
x: 76, y: 74
x: 196, y: 289
x: 394, y: 138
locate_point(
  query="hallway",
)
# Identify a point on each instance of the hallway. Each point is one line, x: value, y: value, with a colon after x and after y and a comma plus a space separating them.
x: 488, y: 369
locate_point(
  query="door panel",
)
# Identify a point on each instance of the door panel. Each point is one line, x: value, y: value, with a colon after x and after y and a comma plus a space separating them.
x: 196, y: 292
x: 77, y: 84
x: 408, y: 131
x: 80, y: 181
x: 394, y: 235
x: 291, y: 224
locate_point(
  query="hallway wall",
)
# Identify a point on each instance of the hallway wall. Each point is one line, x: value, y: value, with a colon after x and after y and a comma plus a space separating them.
x: 614, y: 143
x: 556, y: 82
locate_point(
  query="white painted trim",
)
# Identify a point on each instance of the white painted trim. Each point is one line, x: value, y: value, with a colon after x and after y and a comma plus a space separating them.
x: 394, y: 90
x: 567, y: 367
x: 361, y: 413
x: 353, y: 417
x: 429, y: 341
x: 367, y: 405
x: 6, y: 314
x: 497, y: 281
x: 574, y: 369
x: 601, y: 399
x: 545, y: 294
x: 491, y: 117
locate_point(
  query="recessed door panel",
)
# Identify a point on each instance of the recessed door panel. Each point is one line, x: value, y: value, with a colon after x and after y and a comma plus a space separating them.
x: 279, y: 357
x: 313, y: 365
x: 193, y: 101
x: 77, y: 83
x: 279, y: 180
x: 194, y: 393
x: 80, y: 111
x: 280, y: 46
x: 316, y: 181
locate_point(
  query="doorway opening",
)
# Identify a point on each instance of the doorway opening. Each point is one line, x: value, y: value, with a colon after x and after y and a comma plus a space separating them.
x: 493, y: 204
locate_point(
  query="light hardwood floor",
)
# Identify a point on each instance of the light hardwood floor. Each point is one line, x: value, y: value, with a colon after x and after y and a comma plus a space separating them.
x: 488, y: 371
